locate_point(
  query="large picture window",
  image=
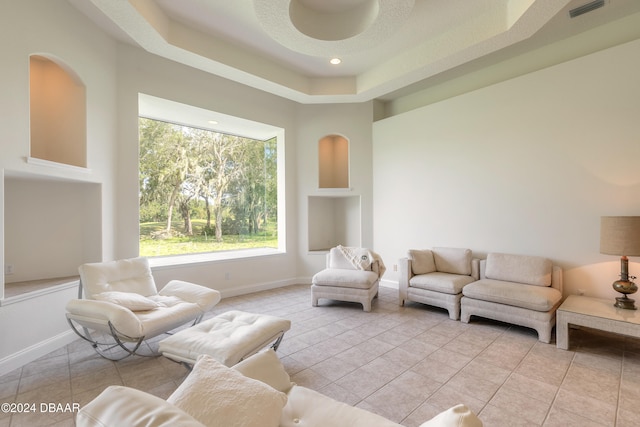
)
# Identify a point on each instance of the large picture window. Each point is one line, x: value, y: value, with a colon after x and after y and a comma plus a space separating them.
x: 205, y: 191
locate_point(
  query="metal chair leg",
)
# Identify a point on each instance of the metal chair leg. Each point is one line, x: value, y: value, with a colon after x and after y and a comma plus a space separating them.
x: 103, y: 348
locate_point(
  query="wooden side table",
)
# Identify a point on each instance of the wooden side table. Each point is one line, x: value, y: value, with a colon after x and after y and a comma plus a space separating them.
x: 595, y: 313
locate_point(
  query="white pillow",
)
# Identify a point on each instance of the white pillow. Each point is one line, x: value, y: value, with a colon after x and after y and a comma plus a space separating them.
x: 265, y: 366
x: 458, y: 415
x: 218, y: 396
x: 422, y: 261
x: 125, y: 275
x: 130, y: 300
x: 530, y: 270
x: 453, y: 260
x: 124, y: 406
x: 166, y: 300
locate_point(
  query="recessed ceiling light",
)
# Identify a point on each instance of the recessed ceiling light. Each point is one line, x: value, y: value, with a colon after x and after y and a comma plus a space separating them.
x: 213, y: 122
x: 335, y: 61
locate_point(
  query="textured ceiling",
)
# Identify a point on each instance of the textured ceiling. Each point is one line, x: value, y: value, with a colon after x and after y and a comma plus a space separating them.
x: 388, y: 48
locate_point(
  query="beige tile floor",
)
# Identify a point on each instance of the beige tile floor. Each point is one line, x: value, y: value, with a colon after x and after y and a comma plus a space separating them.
x: 405, y: 363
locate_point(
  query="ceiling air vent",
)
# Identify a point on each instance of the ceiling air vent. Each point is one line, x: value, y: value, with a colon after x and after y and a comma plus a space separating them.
x: 585, y: 8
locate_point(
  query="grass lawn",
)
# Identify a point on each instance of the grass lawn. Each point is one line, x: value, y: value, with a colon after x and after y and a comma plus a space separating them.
x: 199, y: 243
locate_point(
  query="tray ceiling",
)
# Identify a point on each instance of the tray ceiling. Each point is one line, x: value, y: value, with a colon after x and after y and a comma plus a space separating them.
x: 387, y: 48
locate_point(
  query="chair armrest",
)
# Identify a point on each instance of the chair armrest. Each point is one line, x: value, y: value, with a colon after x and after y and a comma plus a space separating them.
x: 475, y: 268
x: 404, y: 265
x: 204, y: 297
x: 375, y: 267
x: 94, y: 313
x: 556, y: 278
x: 483, y: 268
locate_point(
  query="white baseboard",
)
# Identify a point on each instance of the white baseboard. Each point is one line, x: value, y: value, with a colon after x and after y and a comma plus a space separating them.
x: 393, y: 284
x: 257, y: 287
x: 36, y: 351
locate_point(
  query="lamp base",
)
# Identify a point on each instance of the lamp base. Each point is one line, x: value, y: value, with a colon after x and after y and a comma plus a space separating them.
x: 625, y: 302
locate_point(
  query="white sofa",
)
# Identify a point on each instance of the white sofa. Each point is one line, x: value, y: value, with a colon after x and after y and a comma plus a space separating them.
x: 436, y: 277
x: 257, y: 392
x: 519, y: 289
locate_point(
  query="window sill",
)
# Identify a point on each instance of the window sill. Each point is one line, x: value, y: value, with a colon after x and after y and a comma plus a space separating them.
x: 17, y: 292
x: 56, y: 165
x: 210, y: 257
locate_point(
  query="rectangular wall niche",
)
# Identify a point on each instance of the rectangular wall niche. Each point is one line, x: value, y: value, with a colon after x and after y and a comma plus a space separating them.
x: 334, y: 221
x: 333, y: 162
x: 51, y: 227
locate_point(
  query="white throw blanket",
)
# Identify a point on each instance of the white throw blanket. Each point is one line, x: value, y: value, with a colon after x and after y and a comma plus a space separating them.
x: 362, y: 258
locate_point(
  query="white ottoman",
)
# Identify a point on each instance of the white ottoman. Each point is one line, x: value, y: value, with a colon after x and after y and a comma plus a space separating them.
x: 229, y: 337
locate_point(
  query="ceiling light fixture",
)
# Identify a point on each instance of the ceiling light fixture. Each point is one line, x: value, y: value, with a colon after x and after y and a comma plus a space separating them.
x: 313, y: 27
x: 213, y: 122
x: 335, y: 61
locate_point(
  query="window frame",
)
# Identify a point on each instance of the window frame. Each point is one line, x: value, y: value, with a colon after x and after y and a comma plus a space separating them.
x: 190, y: 116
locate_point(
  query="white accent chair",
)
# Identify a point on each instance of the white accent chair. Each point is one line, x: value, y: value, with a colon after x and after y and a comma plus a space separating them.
x: 519, y: 289
x: 122, y: 306
x: 436, y: 277
x: 341, y: 280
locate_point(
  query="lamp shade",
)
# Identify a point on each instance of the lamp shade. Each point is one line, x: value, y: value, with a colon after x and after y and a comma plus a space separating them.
x: 620, y: 235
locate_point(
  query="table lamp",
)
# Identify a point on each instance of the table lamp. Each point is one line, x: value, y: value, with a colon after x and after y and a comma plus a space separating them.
x: 620, y: 235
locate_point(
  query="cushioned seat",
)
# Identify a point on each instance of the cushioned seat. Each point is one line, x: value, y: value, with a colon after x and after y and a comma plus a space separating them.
x: 346, y: 278
x: 441, y: 282
x: 510, y: 293
x: 229, y: 337
x: 351, y: 274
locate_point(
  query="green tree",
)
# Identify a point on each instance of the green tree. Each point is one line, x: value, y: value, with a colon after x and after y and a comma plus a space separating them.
x: 254, y: 183
x: 225, y: 178
x: 222, y: 165
x: 166, y: 162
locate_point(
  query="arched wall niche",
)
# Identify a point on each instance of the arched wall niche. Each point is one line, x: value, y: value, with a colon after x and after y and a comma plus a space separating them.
x: 334, y: 213
x: 58, y: 113
x: 333, y: 162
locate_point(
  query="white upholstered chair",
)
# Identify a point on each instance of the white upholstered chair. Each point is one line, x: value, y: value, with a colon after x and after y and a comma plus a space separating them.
x: 523, y: 290
x: 436, y: 277
x: 351, y: 274
x: 121, y: 302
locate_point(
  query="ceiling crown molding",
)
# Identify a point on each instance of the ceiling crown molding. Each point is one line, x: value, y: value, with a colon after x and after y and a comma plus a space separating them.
x: 385, y: 45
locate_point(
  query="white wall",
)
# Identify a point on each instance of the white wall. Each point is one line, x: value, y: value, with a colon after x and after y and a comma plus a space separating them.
x: 314, y: 122
x: 524, y: 166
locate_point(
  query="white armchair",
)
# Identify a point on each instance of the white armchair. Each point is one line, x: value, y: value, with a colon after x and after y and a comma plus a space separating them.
x: 523, y: 290
x: 122, y: 302
x: 351, y: 274
x: 437, y: 276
